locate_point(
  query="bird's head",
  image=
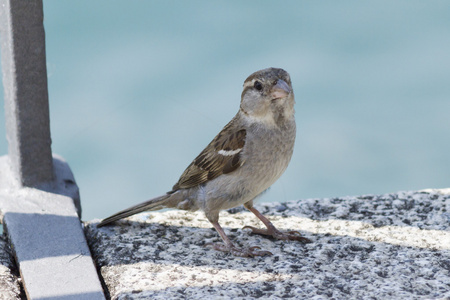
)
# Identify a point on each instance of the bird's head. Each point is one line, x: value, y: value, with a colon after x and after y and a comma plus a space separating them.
x: 268, y: 96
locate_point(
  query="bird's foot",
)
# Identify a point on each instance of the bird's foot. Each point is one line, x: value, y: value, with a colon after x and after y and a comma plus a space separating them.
x: 279, y: 235
x: 241, y: 252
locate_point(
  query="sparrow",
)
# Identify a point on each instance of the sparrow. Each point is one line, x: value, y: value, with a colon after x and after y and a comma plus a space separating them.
x: 242, y: 161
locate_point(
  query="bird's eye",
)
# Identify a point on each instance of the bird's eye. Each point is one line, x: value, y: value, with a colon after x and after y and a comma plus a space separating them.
x: 258, y: 85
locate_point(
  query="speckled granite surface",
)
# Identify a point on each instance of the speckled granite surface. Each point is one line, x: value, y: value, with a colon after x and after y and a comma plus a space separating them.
x: 393, y: 246
x: 9, y: 279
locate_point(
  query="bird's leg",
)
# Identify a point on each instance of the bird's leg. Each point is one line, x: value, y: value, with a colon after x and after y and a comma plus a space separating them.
x: 231, y: 248
x: 272, y: 230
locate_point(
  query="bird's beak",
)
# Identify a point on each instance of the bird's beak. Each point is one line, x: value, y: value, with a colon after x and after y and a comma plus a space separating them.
x: 280, y: 90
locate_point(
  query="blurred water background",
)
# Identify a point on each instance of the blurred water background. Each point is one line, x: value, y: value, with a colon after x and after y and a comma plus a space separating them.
x: 138, y: 88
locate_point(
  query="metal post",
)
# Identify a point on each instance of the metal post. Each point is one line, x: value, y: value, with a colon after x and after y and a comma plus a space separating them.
x: 26, y: 96
x: 39, y: 198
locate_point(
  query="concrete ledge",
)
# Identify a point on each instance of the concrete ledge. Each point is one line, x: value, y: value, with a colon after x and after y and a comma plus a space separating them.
x: 393, y: 246
x: 9, y: 279
x: 47, y: 237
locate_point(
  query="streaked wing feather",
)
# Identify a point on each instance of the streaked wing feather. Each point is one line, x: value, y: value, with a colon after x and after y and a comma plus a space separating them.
x: 210, y: 164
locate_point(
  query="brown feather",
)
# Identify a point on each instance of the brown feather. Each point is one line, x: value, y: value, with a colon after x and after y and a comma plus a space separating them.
x: 210, y: 164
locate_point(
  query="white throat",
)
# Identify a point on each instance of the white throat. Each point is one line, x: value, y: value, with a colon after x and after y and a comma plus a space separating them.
x: 266, y: 119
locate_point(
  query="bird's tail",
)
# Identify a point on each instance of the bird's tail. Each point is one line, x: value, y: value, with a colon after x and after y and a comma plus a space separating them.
x: 164, y: 201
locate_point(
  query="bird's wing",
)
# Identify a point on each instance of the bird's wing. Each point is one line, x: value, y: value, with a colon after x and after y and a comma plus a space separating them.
x: 221, y: 156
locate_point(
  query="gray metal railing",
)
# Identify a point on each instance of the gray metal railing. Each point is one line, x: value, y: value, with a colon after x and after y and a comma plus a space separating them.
x: 39, y: 199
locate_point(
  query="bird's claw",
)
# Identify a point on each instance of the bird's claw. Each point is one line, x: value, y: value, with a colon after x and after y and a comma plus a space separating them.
x: 279, y: 235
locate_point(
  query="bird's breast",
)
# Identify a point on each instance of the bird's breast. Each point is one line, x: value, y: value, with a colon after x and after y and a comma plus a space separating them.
x: 267, y: 154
